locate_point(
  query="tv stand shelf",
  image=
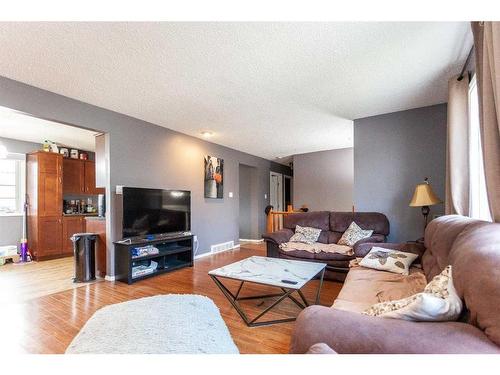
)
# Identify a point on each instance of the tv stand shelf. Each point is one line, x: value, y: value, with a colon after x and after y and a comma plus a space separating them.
x: 175, y: 252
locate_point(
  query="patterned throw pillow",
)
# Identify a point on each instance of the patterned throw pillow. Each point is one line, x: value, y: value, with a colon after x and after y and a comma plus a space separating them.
x: 388, y: 260
x: 305, y: 234
x: 437, y: 303
x: 353, y: 234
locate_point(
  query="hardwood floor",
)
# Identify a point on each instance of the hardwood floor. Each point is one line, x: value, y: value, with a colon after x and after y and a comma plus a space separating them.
x: 47, y: 324
x: 20, y: 283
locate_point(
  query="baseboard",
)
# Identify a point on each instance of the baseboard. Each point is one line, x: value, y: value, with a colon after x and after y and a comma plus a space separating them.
x: 208, y: 253
x: 253, y: 241
x: 110, y: 278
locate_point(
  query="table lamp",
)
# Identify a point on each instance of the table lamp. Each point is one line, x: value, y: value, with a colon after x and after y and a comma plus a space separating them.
x: 424, y: 197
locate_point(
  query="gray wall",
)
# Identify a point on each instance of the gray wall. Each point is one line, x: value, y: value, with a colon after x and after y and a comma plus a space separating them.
x: 142, y: 154
x: 248, y: 197
x: 324, y: 180
x: 394, y: 152
x: 11, y: 227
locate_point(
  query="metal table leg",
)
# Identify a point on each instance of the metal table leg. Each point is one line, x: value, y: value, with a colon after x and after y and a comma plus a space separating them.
x: 319, y: 286
x: 287, y: 293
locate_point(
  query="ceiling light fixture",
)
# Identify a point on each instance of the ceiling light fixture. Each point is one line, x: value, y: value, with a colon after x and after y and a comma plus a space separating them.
x: 207, y: 134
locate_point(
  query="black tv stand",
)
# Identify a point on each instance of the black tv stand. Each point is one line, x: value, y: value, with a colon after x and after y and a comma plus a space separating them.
x: 175, y: 252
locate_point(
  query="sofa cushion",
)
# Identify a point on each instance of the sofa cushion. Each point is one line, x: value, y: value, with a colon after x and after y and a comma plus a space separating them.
x: 318, y: 220
x: 388, y: 260
x: 306, y: 235
x: 438, y: 302
x: 440, y: 235
x: 333, y: 237
x: 365, y: 287
x: 322, y: 256
x: 475, y: 258
x: 340, y: 221
x: 354, y: 234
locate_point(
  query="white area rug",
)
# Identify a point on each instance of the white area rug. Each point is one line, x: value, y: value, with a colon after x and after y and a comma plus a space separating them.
x: 166, y: 324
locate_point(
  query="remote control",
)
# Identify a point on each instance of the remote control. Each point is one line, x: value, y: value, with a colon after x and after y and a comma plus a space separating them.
x: 289, y: 282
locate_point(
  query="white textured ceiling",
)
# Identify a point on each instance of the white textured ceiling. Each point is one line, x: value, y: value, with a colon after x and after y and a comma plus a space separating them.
x: 16, y: 125
x: 269, y: 89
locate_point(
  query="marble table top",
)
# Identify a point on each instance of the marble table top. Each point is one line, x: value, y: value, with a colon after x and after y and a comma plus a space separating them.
x: 270, y: 271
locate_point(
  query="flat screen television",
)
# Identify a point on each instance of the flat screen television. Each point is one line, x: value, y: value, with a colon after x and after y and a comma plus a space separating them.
x: 155, y: 211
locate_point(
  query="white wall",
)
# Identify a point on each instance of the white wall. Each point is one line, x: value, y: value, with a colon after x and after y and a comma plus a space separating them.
x: 324, y: 180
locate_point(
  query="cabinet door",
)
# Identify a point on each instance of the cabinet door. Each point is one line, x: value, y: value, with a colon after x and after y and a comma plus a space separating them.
x: 49, y: 236
x: 49, y: 162
x: 73, y: 176
x: 49, y: 194
x: 71, y: 225
x: 90, y: 187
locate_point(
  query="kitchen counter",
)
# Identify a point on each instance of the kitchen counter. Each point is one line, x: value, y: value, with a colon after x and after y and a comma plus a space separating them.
x: 82, y: 214
x: 95, y: 217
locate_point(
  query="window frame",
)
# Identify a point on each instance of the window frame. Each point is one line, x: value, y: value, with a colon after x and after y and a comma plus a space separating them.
x: 20, y: 184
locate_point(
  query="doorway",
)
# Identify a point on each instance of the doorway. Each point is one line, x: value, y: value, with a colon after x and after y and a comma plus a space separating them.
x: 287, y: 191
x: 51, y: 170
x: 276, y: 191
x: 248, y: 203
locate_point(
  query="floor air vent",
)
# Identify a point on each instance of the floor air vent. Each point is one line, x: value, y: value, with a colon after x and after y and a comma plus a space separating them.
x: 222, y: 247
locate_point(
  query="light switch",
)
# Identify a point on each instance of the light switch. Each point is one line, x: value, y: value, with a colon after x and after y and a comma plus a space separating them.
x: 230, y: 194
x: 119, y: 189
x: 265, y: 196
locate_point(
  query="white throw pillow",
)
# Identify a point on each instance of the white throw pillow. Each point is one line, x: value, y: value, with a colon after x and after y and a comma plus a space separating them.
x: 305, y: 234
x: 438, y: 302
x: 388, y: 260
x: 353, y: 234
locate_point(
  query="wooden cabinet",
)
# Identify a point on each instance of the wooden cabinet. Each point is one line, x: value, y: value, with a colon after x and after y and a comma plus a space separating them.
x: 79, y: 177
x: 48, y: 175
x: 49, y: 239
x: 44, y: 197
x: 70, y: 226
x: 74, y: 176
x: 90, y: 185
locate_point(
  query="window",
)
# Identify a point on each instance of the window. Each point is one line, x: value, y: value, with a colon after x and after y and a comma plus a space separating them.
x: 479, y: 207
x: 12, y: 184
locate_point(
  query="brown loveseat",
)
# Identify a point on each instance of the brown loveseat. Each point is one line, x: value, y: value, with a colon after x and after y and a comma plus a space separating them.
x: 332, y: 225
x: 472, y: 247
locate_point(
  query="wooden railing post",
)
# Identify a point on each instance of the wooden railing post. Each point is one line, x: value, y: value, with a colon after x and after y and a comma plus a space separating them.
x: 270, y: 223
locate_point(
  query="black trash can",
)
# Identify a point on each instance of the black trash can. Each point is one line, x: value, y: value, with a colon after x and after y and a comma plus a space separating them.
x: 84, y: 250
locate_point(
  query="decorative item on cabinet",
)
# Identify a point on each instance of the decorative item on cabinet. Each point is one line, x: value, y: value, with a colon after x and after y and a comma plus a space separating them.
x: 64, y: 152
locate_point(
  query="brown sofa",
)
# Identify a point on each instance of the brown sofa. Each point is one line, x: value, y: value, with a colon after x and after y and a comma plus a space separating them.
x: 472, y: 247
x: 332, y: 225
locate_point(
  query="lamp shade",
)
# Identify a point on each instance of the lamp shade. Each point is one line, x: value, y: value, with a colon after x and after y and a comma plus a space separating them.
x: 424, y: 196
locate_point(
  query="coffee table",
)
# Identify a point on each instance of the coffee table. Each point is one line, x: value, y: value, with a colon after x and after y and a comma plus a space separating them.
x: 288, y: 275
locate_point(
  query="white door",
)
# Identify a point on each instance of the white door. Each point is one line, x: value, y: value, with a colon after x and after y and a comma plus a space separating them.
x: 276, y: 191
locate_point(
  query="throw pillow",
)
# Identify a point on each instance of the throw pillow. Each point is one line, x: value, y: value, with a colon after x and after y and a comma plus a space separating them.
x: 388, y: 260
x: 305, y: 234
x: 437, y: 303
x: 353, y: 234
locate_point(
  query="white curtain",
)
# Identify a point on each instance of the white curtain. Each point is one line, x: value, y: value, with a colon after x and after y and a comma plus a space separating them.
x: 487, y: 45
x: 457, y: 155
